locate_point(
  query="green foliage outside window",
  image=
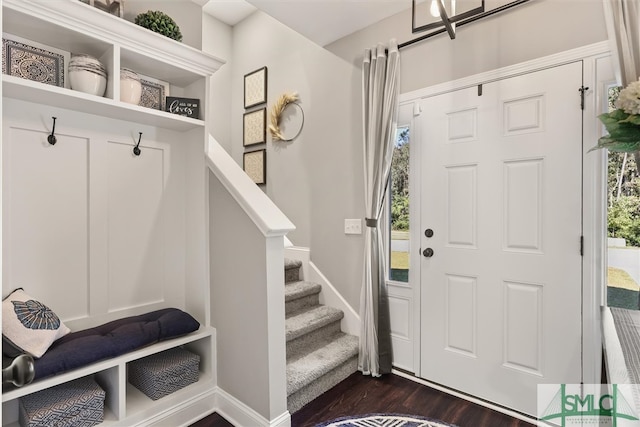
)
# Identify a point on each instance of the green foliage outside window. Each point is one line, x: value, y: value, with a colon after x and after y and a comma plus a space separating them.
x: 623, y: 215
x: 400, y: 182
x: 624, y: 220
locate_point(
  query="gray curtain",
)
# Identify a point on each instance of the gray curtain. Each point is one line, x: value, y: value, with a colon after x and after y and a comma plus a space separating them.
x: 623, y: 29
x: 380, y: 79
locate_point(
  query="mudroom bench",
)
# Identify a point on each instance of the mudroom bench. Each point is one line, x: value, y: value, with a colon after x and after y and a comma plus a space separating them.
x: 124, y: 404
x: 113, y: 339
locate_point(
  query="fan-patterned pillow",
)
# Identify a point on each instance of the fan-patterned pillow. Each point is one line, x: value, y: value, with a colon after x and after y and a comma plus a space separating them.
x: 28, y: 325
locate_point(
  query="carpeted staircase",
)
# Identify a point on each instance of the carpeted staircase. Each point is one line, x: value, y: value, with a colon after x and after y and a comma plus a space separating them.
x: 319, y: 354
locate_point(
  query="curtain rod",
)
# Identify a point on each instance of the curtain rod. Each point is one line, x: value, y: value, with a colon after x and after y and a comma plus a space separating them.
x: 463, y: 22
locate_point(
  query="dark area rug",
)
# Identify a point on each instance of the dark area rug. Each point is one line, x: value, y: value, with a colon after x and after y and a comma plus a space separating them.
x: 384, y: 420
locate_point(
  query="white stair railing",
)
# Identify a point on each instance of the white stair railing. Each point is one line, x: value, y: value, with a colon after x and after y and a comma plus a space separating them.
x: 247, y: 288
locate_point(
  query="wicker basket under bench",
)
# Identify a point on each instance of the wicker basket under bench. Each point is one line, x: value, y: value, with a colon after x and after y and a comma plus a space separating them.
x: 124, y: 404
x: 77, y: 403
x: 163, y: 373
x: 80, y: 403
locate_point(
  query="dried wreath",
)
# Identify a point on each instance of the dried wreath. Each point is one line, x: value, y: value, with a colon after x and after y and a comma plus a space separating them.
x: 276, y: 114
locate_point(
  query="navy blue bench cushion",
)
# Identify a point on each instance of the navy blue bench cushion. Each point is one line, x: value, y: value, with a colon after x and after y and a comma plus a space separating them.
x: 113, y: 339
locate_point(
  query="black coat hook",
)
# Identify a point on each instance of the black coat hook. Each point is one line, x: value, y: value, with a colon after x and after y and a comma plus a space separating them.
x: 136, y: 149
x: 52, y: 138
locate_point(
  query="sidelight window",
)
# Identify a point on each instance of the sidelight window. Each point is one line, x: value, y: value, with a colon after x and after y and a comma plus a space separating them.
x: 399, y: 208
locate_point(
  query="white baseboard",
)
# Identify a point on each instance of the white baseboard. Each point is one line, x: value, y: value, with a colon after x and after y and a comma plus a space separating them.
x: 239, y: 414
x: 329, y: 295
x: 283, y: 420
x: 185, y: 414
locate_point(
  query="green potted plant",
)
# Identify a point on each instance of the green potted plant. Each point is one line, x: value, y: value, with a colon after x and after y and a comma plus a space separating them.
x: 623, y: 123
x: 159, y: 22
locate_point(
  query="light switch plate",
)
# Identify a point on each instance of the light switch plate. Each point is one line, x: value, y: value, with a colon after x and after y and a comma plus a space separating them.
x: 353, y: 226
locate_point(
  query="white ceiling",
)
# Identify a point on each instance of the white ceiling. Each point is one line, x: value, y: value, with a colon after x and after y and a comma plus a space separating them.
x: 322, y: 21
x: 228, y: 11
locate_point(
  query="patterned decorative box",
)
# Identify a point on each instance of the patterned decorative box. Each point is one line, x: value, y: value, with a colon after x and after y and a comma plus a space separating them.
x: 78, y: 403
x: 34, y: 61
x: 163, y: 373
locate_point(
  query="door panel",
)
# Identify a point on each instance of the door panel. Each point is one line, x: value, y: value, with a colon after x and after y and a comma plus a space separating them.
x: 501, y: 188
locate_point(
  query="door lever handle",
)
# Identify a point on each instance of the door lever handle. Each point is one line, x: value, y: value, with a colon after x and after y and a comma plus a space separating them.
x: 428, y: 252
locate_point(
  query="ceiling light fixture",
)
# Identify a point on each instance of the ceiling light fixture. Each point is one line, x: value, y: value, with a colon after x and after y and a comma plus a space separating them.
x: 446, y: 14
x: 446, y: 18
x: 434, y: 10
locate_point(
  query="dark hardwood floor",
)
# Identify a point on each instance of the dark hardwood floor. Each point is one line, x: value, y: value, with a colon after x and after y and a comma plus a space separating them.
x: 361, y: 394
x: 213, y: 420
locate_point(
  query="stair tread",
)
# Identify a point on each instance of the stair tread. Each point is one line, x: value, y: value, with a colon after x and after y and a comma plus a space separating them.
x: 312, y: 366
x: 306, y: 321
x: 291, y: 263
x: 299, y: 289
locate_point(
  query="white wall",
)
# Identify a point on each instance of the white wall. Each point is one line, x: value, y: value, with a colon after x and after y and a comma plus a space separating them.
x: 528, y: 31
x: 317, y: 179
x: 216, y: 40
x: 250, y: 339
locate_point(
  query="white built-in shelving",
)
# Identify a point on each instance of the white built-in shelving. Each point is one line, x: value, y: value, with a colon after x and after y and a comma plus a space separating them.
x: 75, y: 27
x: 27, y: 90
x: 124, y: 404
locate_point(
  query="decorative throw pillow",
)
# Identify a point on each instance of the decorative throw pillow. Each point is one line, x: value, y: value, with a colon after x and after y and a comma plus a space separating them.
x: 28, y: 325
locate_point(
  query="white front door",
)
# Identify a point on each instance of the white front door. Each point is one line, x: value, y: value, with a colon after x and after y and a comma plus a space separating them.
x: 501, y: 191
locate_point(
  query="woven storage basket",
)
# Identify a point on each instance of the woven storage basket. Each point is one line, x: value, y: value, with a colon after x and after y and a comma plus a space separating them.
x: 78, y: 403
x: 163, y: 373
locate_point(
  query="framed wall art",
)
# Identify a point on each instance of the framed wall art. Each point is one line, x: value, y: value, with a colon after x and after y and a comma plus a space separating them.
x: 254, y: 164
x: 255, y: 88
x: 254, y: 127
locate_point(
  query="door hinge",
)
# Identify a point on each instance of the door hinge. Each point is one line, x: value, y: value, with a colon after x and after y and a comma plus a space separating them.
x: 581, y: 245
x: 582, y: 90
